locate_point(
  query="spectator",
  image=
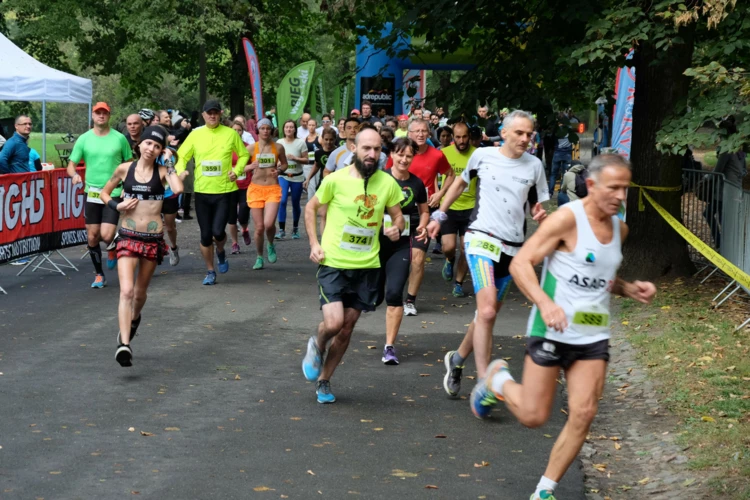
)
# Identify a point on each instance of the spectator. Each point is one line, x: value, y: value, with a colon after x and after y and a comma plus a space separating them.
x: 444, y: 136
x: 568, y: 184
x: 14, y: 157
x: 35, y: 161
x: 561, y: 159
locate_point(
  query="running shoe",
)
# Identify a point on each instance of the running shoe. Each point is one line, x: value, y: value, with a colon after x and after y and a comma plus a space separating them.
x: 99, y: 281
x: 111, y: 258
x: 246, y: 237
x: 325, y: 396
x: 280, y: 235
x: 496, y: 366
x: 134, y: 324
x: 389, y: 355
x: 448, y: 270
x: 174, y: 256
x: 223, y: 262
x: 124, y: 355
x: 452, y: 379
x: 20, y: 262
x: 410, y: 309
x: 543, y: 495
x: 438, y: 250
x: 258, y: 263
x: 235, y: 248
x: 271, y: 253
x: 295, y: 234
x: 482, y: 400
x: 210, y: 278
x: 458, y: 291
x: 312, y: 361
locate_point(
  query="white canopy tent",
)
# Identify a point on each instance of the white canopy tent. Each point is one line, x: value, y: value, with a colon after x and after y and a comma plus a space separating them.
x: 23, y: 78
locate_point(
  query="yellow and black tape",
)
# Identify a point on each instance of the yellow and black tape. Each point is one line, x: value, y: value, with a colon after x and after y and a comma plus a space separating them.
x: 641, y: 205
x: 727, y: 267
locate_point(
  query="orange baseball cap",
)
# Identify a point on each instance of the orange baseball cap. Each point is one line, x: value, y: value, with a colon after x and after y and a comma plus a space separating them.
x: 101, y: 105
x: 403, y: 118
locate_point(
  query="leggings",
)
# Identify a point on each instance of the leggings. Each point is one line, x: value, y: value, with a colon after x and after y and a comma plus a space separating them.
x: 395, y: 259
x: 238, y: 209
x: 212, y: 212
x: 296, y: 188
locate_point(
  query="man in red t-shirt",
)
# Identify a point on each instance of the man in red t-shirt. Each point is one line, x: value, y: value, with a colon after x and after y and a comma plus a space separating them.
x: 427, y: 164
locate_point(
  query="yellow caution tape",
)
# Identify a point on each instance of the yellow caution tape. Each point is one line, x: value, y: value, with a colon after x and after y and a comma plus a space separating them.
x: 727, y: 267
x: 641, y: 205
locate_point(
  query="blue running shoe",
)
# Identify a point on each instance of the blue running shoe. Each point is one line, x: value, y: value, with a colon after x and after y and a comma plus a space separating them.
x: 482, y: 400
x: 223, y: 262
x: 324, y: 392
x: 458, y: 291
x: 99, y: 281
x: 312, y: 361
x: 448, y: 270
x: 210, y: 278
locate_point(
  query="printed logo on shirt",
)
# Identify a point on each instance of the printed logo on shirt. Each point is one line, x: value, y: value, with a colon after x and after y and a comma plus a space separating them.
x: 588, y: 282
x: 590, y: 258
x: 408, y: 196
x: 525, y: 182
x: 366, y: 206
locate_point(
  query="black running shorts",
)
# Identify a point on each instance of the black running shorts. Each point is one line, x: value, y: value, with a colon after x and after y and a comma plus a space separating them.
x: 545, y: 352
x: 356, y: 288
x: 98, y: 213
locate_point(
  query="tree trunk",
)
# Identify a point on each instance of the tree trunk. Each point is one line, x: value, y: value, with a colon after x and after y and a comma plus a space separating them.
x: 239, y: 80
x: 202, y: 75
x: 653, y: 248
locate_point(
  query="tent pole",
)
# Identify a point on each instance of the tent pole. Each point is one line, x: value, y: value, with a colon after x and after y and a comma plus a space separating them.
x: 44, y: 131
x: 89, y: 114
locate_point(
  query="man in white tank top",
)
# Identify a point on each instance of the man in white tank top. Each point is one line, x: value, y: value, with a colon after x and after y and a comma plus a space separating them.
x: 569, y: 324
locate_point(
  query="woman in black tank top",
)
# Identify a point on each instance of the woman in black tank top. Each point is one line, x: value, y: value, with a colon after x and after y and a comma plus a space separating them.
x: 140, y: 239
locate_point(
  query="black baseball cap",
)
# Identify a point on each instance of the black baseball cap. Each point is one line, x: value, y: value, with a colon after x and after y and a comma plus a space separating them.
x: 212, y: 104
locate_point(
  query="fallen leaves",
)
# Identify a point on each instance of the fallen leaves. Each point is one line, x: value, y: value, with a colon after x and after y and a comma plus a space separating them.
x: 708, y: 419
x: 263, y: 488
x: 440, y: 436
x: 144, y: 433
x: 131, y: 429
x: 431, y: 487
x: 403, y: 473
x: 172, y: 429
x: 482, y: 464
x: 310, y: 472
x: 600, y: 467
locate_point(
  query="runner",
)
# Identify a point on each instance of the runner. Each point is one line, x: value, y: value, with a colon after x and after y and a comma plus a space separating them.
x: 326, y: 122
x: 238, y: 210
x: 141, y: 244
x: 357, y: 197
x: 312, y: 141
x: 212, y: 147
x: 387, y: 136
x: 395, y: 256
x: 403, y: 126
x: 427, y: 164
x: 568, y: 327
x: 327, y: 146
x: 264, y: 193
x: 247, y: 137
x: 459, y: 213
x: 148, y: 116
x: 303, y: 129
x: 340, y: 127
x: 341, y: 157
x: 367, y: 115
x: 170, y: 206
x: 292, y: 180
x: 102, y: 149
x: 134, y: 126
x: 506, y: 175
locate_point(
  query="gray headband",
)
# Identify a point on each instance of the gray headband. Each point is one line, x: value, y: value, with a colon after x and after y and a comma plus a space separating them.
x: 265, y: 121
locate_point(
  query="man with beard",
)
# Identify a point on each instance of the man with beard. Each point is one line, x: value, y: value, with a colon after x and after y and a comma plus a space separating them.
x: 459, y: 213
x: 357, y: 197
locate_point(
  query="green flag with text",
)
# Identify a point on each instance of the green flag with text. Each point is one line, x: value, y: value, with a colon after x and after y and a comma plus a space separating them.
x: 293, y: 92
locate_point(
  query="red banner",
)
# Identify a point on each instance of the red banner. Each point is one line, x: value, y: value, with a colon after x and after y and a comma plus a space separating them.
x: 40, y: 212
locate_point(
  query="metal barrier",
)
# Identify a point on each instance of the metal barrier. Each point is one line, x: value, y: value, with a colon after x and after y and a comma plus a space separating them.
x: 735, y: 236
x: 702, y: 210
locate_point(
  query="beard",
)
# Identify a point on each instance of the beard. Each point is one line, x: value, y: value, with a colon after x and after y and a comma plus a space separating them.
x: 364, y: 169
x: 462, y: 147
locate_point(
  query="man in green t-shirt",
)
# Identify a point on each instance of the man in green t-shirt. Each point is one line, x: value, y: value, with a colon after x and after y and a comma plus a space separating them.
x: 357, y: 197
x: 459, y: 214
x: 102, y: 149
x: 215, y: 182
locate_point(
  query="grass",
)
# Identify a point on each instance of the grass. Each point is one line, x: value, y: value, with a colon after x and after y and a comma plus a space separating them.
x: 35, y: 142
x: 703, y: 367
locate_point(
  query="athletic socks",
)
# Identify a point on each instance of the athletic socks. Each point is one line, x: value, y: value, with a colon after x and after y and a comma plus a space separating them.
x: 457, y: 360
x: 546, y: 486
x: 282, y: 226
x: 96, y: 258
x: 499, y: 380
x: 411, y: 298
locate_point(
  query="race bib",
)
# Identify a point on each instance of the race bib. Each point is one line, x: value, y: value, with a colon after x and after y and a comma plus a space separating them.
x: 357, y: 239
x: 242, y: 177
x: 387, y: 222
x: 590, y: 319
x: 266, y: 160
x: 211, y: 168
x: 485, y: 245
x: 95, y: 195
x: 311, y: 156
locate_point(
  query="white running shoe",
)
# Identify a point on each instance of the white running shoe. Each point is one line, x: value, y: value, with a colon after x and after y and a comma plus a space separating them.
x: 410, y: 309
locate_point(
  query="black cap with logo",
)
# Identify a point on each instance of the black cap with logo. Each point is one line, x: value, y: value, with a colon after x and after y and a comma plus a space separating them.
x: 212, y: 104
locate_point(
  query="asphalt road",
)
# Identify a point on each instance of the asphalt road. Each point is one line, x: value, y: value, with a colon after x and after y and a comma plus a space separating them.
x: 216, y: 406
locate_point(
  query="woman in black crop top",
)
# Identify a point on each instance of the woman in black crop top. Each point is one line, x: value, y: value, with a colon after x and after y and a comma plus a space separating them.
x: 140, y: 243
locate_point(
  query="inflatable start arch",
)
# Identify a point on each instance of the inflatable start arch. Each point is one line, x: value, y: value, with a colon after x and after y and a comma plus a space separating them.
x: 380, y: 78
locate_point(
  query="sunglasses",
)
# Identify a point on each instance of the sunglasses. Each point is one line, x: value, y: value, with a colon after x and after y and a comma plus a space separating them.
x: 326, y: 121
